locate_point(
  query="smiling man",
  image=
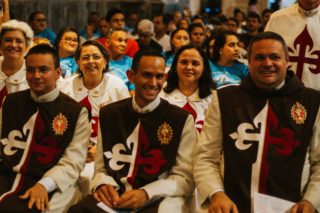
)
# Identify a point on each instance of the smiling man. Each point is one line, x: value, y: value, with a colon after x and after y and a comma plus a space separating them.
x: 144, y: 158
x: 44, y: 136
x: 271, y: 144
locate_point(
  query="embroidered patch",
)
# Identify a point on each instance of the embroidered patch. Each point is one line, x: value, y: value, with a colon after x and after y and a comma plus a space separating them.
x: 165, y: 133
x: 59, y: 124
x: 298, y: 113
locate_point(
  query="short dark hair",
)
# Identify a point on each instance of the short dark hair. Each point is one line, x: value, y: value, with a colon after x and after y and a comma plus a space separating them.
x: 268, y: 35
x: 254, y: 15
x: 266, y: 11
x: 166, y: 18
x: 206, y: 83
x: 45, y: 49
x: 103, y: 51
x: 112, y: 12
x: 62, y: 32
x: 138, y: 55
x: 195, y: 25
x: 220, y: 42
x: 234, y: 20
x: 33, y: 15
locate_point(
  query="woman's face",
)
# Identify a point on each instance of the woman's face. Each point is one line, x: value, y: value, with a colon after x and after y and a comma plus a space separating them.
x: 13, y: 44
x: 180, y: 39
x: 198, y: 36
x: 190, y: 66
x: 68, y: 43
x: 230, y: 50
x: 91, y: 62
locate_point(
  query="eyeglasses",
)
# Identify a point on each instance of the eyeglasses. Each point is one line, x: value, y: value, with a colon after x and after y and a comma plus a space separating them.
x: 94, y: 57
x: 68, y: 39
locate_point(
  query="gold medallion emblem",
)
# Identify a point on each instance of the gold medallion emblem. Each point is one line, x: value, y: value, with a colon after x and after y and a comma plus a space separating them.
x: 298, y: 113
x: 59, y: 124
x: 165, y: 133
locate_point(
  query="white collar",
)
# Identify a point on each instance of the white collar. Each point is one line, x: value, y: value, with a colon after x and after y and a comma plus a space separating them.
x: 50, y: 96
x: 80, y: 88
x: 150, y: 107
x: 177, y: 95
x: 16, y: 78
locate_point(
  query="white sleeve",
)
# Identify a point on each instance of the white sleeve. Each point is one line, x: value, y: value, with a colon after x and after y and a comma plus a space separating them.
x: 179, y: 181
x: 208, y: 154
x: 67, y: 170
x: 312, y: 193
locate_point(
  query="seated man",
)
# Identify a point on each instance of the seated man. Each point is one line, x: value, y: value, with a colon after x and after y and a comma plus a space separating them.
x: 44, y: 136
x: 271, y: 144
x: 144, y: 157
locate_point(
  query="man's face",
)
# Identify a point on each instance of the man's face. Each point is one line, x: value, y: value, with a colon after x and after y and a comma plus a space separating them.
x: 309, y: 4
x: 159, y: 26
x: 117, y: 21
x: 144, y: 37
x: 268, y: 63
x: 253, y: 24
x: 39, y: 23
x: 41, y: 73
x: 118, y: 43
x: 266, y: 17
x: 148, y: 79
x: 103, y: 27
x: 232, y: 25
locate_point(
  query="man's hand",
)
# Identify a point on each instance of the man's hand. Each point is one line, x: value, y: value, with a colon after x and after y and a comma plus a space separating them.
x: 38, y: 195
x: 92, y: 149
x: 221, y: 203
x: 303, y: 206
x: 107, y: 194
x: 133, y: 199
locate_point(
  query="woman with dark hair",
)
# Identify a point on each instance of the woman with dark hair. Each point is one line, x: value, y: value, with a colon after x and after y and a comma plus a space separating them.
x: 189, y: 83
x: 226, y: 69
x: 197, y: 34
x: 67, y: 42
x: 178, y: 39
x: 93, y: 87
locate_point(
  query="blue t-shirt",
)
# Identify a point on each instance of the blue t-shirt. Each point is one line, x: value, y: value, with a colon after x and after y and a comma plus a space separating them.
x: 120, y: 67
x: 68, y: 66
x: 223, y: 75
x: 169, y: 56
x: 48, y: 34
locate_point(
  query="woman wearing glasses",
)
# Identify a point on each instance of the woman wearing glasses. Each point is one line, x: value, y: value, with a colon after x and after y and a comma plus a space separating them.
x: 66, y: 43
x: 93, y: 87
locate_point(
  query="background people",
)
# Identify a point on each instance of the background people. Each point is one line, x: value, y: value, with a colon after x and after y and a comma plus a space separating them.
x: 67, y: 42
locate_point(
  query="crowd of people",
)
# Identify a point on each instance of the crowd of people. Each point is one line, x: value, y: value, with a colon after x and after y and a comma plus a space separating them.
x: 176, y: 113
